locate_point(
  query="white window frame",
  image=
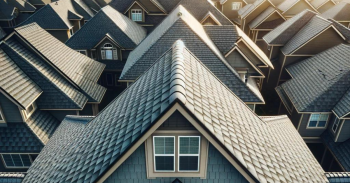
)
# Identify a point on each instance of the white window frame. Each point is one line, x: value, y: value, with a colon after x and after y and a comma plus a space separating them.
x: 337, y: 125
x: 154, y: 154
x: 28, y: 114
x: 316, y: 127
x: 236, y: 5
x: 178, y: 154
x: 138, y: 15
x: 111, y: 48
x: 2, y: 120
x: 9, y: 167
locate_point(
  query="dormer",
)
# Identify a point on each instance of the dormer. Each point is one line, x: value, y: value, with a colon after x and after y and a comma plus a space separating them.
x: 139, y: 9
x: 107, y: 49
x: 210, y: 19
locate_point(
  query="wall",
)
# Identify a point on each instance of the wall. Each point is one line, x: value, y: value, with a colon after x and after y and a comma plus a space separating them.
x: 61, y: 35
x: 133, y: 170
x: 297, y: 8
x: 325, y: 7
x: 227, y: 9
x: 236, y: 60
x: 10, y: 110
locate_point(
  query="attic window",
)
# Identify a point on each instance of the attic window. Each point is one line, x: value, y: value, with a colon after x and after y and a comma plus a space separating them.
x: 136, y: 15
x: 108, y: 52
x: 16, y: 160
x: 236, y: 5
x: 318, y: 121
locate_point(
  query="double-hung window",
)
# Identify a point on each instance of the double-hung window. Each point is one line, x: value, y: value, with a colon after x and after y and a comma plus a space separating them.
x: 164, y: 153
x: 136, y: 15
x: 16, y: 160
x: 318, y: 121
x: 336, y: 124
x: 188, y: 153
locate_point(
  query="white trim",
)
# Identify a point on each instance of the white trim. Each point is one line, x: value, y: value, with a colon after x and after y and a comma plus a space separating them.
x: 154, y: 154
x: 316, y: 127
x: 179, y: 154
x: 341, y: 126
x: 336, y: 119
x: 16, y: 167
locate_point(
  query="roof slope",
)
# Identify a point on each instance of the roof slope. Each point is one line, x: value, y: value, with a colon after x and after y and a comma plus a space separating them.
x: 339, y: 12
x: 314, y: 27
x: 82, y: 70
x: 127, y: 33
x: 187, y: 28
x: 16, y: 84
x: 224, y: 37
x: 6, y: 11
x: 321, y: 81
x: 271, y: 151
x: 22, y: 5
x: 284, y: 32
x: 340, y: 150
x: 247, y: 9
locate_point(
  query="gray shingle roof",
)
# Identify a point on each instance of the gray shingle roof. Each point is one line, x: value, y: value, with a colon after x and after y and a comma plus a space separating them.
x: 80, y: 69
x: 314, y: 27
x: 284, y: 32
x: 339, y: 12
x: 187, y: 28
x: 260, y: 21
x: 320, y: 82
x: 286, y: 5
x: 11, y: 177
x: 6, y: 11
x: 16, y: 84
x: 247, y: 9
x: 22, y: 5
x: 339, y: 150
x: 224, y: 37
x: 271, y: 149
x: 126, y: 32
x: 338, y: 177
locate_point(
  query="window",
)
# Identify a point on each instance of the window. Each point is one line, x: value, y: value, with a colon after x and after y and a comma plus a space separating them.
x: 108, y: 52
x: 93, y: 54
x: 16, y: 160
x: 71, y: 32
x: 30, y: 110
x: 2, y: 119
x: 318, y: 120
x: 164, y: 153
x: 82, y: 52
x: 236, y: 5
x: 136, y: 15
x: 188, y: 153
x: 335, y: 124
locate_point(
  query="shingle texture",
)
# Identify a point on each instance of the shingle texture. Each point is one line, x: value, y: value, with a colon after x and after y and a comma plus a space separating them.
x: 321, y: 83
x: 247, y: 9
x: 224, y: 37
x: 271, y: 150
x: 82, y: 70
x: 126, y: 32
x: 187, y: 28
x: 283, y: 33
x: 15, y: 83
x: 345, y: 31
x: 339, y: 150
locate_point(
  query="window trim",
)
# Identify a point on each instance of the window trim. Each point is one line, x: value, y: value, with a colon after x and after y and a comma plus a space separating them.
x: 336, y: 119
x: 240, y: 6
x: 131, y: 13
x: 16, y: 167
x: 154, y: 155
x: 308, y: 123
x: 112, y: 48
x: 2, y: 120
x: 27, y: 115
x: 178, y: 154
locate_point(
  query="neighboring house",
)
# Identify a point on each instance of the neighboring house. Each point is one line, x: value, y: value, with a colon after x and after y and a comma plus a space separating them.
x: 300, y: 37
x: 317, y: 99
x: 230, y: 8
x: 225, y: 50
x: 340, y: 13
x: 290, y: 8
x: 41, y: 81
x: 176, y: 123
x: 62, y: 18
x: 13, y: 12
x: 108, y: 37
x: 149, y: 13
x: 322, y: 5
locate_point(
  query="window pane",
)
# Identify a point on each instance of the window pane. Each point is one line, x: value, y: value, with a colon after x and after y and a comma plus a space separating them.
x: 321, y: 123
x: 109, y: 54
x: 164, y: 145
x: 189, y: 145
x: 17, y: 160
x: 25, y: 160
x: 8, y: 160
x: 188, y: 163
x: 323, y: 120
x: 312, y: 123
x: 313, y: 120
x: 164, y: 163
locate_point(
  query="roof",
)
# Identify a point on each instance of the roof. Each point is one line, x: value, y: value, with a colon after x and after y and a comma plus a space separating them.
x: 57, y: 15
x: 338, y: 177
x: 224, y: 37
x: 127, y: 33
x: 262, y: 21
x: 261, y: 17
x: 11, y: 177
x: 339, y: 150
x: 247, y: 9
x: 311, y: 29
x: 318, y: 3
x: 342, y: 29
x: 187, y: 28
x: 273, y: 150
x: 6, y: 11
x: 284, y: 32
x: 22, y: 5
x: 339, y: 12
x: 318, y: 85
x: 16, y: 84
x: 80, y: 69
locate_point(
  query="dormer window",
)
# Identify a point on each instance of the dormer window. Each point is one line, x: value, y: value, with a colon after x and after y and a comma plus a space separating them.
x: 136, y: 15
x: 318, y: 121
x: 30, y: 110
x: 109, y: 52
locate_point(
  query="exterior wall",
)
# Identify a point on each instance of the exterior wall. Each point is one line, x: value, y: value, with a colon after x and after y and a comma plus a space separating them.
x: 10, y: 110
x: 227, y: 9
x: 61, y: 35
x: 98, y: 49
x: 325, y: 7
x: 133, y: 170
x: 322, y: 42
x: 136, y: 6
x: 304, y: 132
x: 236, y: 60
x: 253, y: 15
x: 75, y: 26
x: 209, y: 21
x: 297, y: 8
x: 344, y: 133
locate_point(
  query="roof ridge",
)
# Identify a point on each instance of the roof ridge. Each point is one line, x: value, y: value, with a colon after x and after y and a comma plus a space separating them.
x: 177, y: 81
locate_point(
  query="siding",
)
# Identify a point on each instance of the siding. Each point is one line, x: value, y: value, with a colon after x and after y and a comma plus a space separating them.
x: 133, y: 170
x: 344, y: 133
x: 10, y: 110
x: 175, y: 122
x: 236, y: 60
x: 308, y: 132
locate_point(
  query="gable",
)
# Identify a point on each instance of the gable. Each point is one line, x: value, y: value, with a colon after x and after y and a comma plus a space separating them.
x: 321, y: 42
x: 209, y: 20
x: 135, y: 5
x: 150, y: 6
x: 240, y: 62
x: 105, y: 40
x: 272, y: 21
x: 300, y: 6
